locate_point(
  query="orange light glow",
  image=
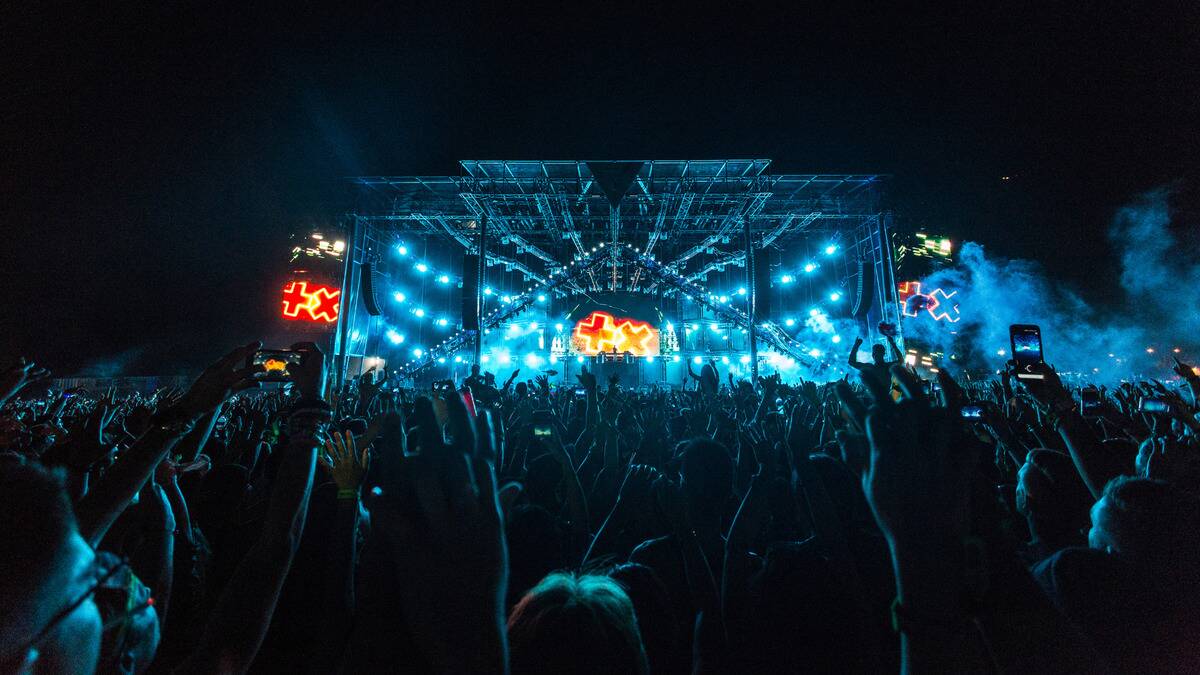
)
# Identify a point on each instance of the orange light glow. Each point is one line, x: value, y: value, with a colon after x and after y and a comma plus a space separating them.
x: 315, y: 302
x: 275, y: 365
x: 602, y: 332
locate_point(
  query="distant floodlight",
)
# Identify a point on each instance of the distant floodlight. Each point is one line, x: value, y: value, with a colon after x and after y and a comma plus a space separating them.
x: 441, y: 359
x: 745, y: 359
x: 835, y: 296
x: 458, y: 359
x: 418, y: 352
x: 789, y: 322
x: 830, y: 249
x: 394, y: 337
x: 444, y: 279
x: 838, y: 338
x: 402, y: 250
x: 558, y: 327
x: 487, y: 291
x: 579, y: 359
x: 541, y: 298
x: 675, y: 358
x: 419, y: 312
x: 815, y: 353
x: 809, y: 267
x: 422, y: 268
x: 741, y: 291
x: 725, y: 360
x: 399, y: 297
x: 786, y: 279
x: 697, y: 360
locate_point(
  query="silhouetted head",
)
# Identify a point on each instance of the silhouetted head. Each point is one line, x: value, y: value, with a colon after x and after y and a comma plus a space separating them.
x: 575, y: 624
x: 1147, y: 520
x: 1050, y: 492
x: 878, y: 353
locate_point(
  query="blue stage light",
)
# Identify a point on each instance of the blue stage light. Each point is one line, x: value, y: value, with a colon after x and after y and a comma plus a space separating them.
x: 809, y: 267
x: 789, y: 322
x: 835, y: 296
x: 402, y: 249
x: 396, y: 338
x: 741, y: 291
x: 418, y: 352
x: 815, y: 353
x: 541, y: 298
x: 558, y: 327
x: 422, y: 268
x: 786, y: 279
x: 458, y: 359
x: 441, y: 359
x: 444, y: 279
x: 836, y: 339
x: 675, y: 358
x: 697, y: 360
x: 830, y: 249
x: 399, y: 297
x: 487, y: 291
x: 419, y: 312
x: 745, y: 359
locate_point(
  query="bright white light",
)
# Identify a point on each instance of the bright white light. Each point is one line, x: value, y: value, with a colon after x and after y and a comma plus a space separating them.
x: 1000, y: 352
x: 675, y: 358
x: 789, y: 322
x: 532, y: 360
x: 553, y: 359
x: 503, y: 358
x: 669, y: 326
x: 558, y: 327
x: 835, y: 296
x: 814, y: 312
x: 716, y: 328
x: 485, y: 358
x: 422, y: 268
x: 418, y: 352
x: 399, y: 297
x: 695, y: 326
x: 741, y: 291
x: 649, y: 359
x: 419, y: 312
x: 579, y: 359
x: 815, y: 353
x: 444, y: 279
x: 830, y: 249
x: 487, y: 291
x: 441, y: 359
x: 402, y: 250
x: 541, y: 298
x: 697, y: 360
x: 724, y: 298
x: 458, y: 359
x: 786, y: 279
x: 443, y: 322
x: 745, y: 359
x: 725, y: 360
x: 339, y: 246
x: 533, y: 325
x: 836, y: 339
x: 396, y: 338
x: 809, y: 267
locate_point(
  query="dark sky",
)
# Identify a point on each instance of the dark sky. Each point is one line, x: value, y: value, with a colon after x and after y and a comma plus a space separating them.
x: 154, y: 159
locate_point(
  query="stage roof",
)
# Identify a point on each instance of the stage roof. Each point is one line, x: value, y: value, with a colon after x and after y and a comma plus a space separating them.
x: 690, y: 213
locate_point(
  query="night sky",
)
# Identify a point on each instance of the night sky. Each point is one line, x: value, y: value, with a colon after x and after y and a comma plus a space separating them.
x: 154, y: 159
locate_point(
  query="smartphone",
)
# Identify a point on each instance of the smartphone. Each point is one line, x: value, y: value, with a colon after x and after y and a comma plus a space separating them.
x: 1089, y: 402
x: 580, y: 392
x: 1026, y: 343
x: 1155, y: 406
x: 273, y: 365
x: 543, y: 431
x: 972, y: 411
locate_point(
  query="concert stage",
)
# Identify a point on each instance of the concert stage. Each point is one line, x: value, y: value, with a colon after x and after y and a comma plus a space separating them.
x: 554, y: 265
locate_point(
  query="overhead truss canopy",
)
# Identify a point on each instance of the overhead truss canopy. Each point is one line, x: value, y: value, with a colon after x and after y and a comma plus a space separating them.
x: 690, y: 214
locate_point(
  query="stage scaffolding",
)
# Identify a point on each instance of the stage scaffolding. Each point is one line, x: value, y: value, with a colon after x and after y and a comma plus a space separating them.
x: 695, y: 218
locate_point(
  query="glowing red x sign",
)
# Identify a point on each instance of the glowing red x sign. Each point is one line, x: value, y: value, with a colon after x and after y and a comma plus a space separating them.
x: 311, y: 302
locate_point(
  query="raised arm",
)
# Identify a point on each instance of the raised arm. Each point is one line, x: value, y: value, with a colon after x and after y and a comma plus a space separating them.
x: 239, y: 622
x: 852, y: 360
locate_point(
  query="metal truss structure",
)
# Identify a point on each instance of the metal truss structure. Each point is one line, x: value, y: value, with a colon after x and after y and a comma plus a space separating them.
x: 689, y: 218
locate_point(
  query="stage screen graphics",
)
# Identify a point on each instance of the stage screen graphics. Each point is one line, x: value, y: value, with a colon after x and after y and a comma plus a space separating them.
x: 614, y: 323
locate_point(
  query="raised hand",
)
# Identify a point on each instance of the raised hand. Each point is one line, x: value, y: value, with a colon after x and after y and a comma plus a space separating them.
x: 586, y: 380
x: 21, y: 374
x: 227, y: 375
x: 443, y: 520
x: 921, y: 457
x: 344, y: 463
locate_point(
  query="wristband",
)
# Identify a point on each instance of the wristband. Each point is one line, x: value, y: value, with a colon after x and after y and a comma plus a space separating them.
x: 347, y: 493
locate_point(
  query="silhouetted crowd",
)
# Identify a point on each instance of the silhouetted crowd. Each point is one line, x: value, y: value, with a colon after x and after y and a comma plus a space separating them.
x: 879, y: 524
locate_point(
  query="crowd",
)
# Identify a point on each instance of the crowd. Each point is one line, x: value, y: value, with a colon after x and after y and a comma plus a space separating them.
x: 862, y: 525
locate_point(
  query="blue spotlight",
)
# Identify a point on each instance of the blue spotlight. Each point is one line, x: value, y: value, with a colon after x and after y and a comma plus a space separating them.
x: 831, y: 249
x: 835, y: 296
x: 419, y: 312
x: 422, y: 268
x: 402, y: 249
x: 396, y: 338
x: 809, y: 267
x: 789, y: 322
x: 786, y: 279
x: 697, y: 360
x: 444, y: 279
x: 418, y: 352
x: 399, y: 297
